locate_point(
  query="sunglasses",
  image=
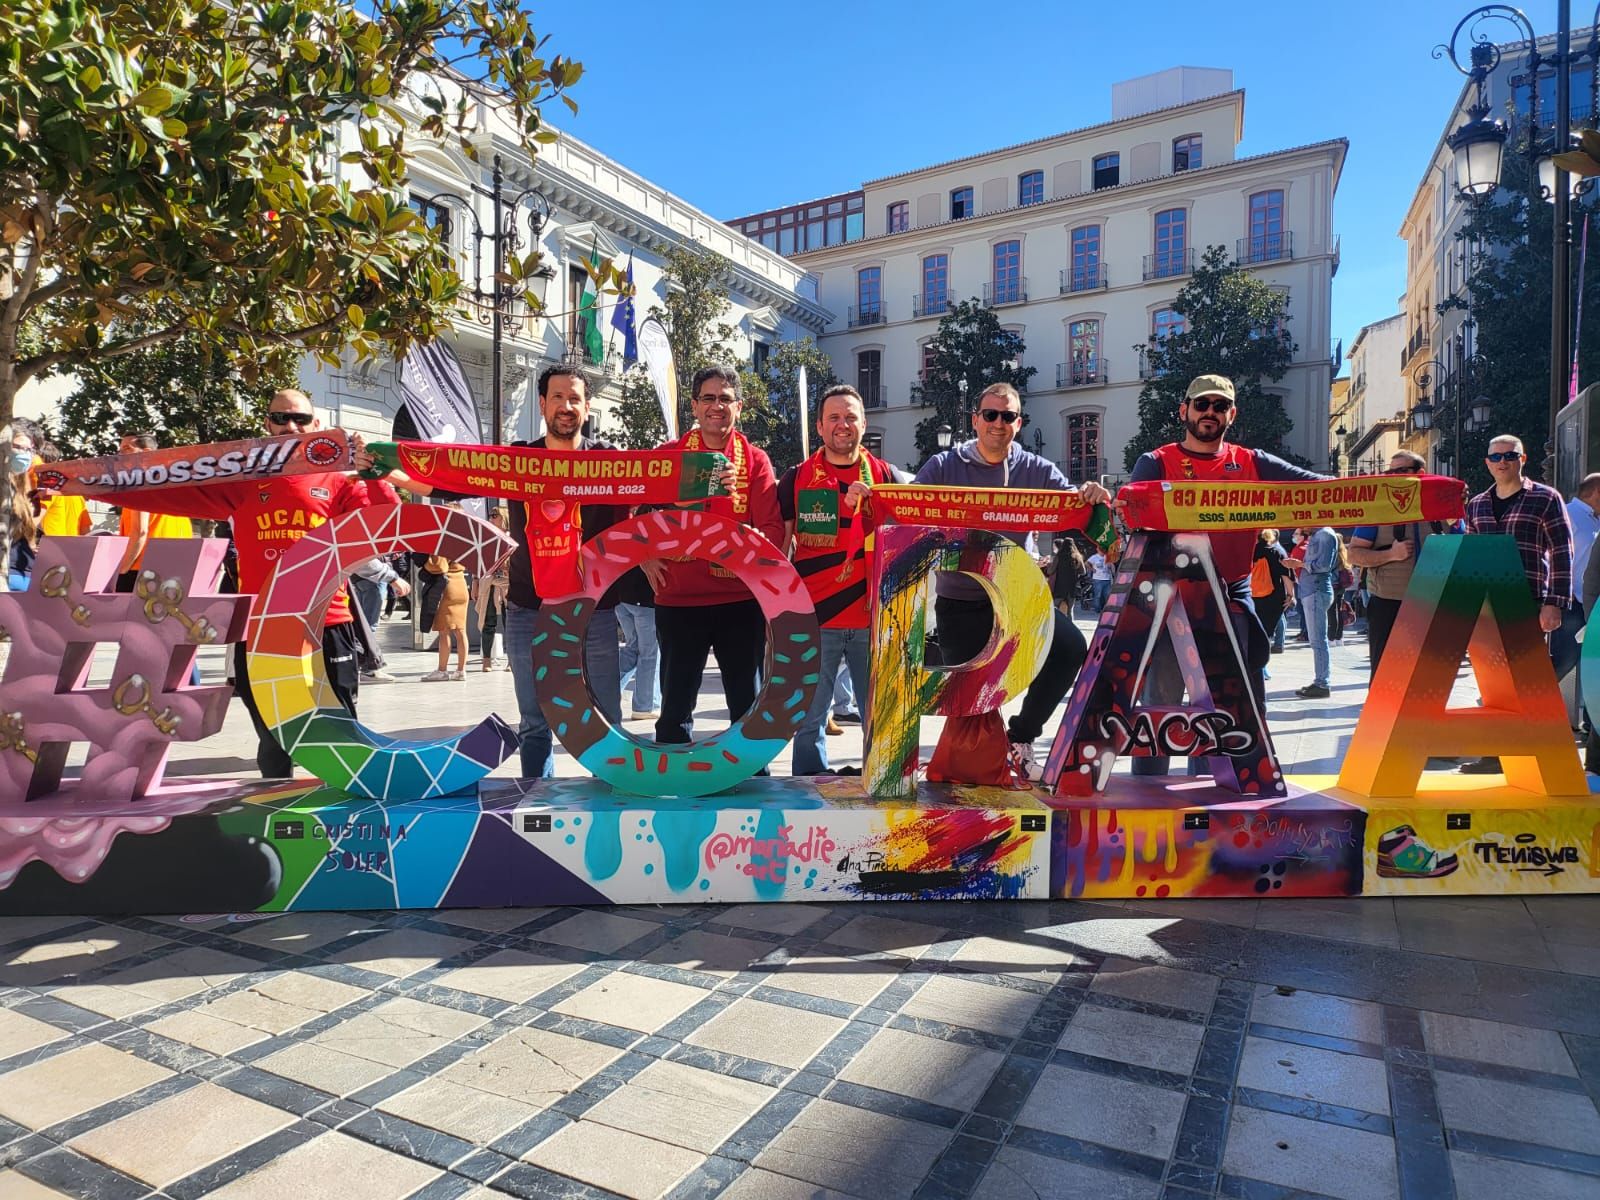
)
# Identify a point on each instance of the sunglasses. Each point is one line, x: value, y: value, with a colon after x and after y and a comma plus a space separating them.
x: 991, y: 415
x: 1216, y: 404
x: 283, y: 418
x: 1504, y: 456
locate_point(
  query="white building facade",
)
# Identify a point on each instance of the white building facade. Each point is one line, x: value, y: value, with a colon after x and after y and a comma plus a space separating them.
x: 1081, y: 241
x: 595, y: 205
x: 1374, y: 416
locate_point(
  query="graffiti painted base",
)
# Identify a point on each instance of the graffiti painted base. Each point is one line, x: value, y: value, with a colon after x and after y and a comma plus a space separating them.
x: 1155, y: 837
x: 1460, y: 838
x: 224, y: 846
x: 788, y: 839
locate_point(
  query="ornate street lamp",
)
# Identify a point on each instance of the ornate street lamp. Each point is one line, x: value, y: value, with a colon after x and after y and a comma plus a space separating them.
x: 944, y: 436
x: 492, y: 298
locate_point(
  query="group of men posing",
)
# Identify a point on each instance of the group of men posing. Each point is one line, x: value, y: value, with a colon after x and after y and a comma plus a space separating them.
x: 819, y: 512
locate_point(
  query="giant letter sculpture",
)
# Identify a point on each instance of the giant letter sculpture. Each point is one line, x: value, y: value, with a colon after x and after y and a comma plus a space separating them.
x: 286, y: 673
x: 1164, y: 580
x: 903, y: 689
x: 130, y: 724
x: 1467, y: 594
x: 631, y: 764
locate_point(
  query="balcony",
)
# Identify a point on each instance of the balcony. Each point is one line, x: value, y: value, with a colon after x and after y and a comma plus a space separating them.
x: 866, y: 314
x: 917, y: 396
x: 1264, y: 248
x: 1335, y: 253
x: 1166, y: 264
x: 1085, y: 372
x: 931, y: 303
x: 1083, y: 279
x: 1418, y: 343
x: 1006, y: 291
x: 875, y: 396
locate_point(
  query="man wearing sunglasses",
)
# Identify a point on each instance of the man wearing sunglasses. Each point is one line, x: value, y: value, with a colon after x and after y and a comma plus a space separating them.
x: 268, y: 516
x: 1535, y: 517
x: 964, y: 616
x: 703, y: 608
x: 1203, y: 452
x: 1389, y: 553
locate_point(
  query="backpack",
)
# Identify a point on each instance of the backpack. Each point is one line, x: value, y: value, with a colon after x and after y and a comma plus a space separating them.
x: 1261, y: 581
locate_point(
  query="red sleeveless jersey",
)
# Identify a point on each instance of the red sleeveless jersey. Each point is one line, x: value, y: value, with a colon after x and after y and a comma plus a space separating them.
x: 1232, y: 550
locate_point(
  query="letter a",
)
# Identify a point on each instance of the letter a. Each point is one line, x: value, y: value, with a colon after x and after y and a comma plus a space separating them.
x: 1467, y: 594
x: 1165, y: 581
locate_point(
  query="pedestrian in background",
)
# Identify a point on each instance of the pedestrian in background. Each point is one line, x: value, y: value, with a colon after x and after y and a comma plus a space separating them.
x: 1099, y: 579
x: 491, y: 596
x: 450, y: 621
x: 1269, y: 584
x: 1066, y: 570
x: 1313, y: 586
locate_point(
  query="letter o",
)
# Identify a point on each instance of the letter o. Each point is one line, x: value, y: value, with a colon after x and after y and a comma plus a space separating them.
x: 287, y: 677
x: 789, y: 680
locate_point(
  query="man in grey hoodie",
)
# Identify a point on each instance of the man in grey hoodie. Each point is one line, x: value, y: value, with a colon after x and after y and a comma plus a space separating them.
x: 964, y: 616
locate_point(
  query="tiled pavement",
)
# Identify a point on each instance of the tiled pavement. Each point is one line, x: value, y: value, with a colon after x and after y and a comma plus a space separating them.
x: 1250, y: 1049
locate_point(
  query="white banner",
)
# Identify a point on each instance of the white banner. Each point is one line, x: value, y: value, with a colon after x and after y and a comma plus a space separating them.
x: 655, y: 353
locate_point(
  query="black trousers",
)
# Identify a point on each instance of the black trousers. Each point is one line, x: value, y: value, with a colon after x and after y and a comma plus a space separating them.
x: 1380, y: 621
x: 339, y: 658
x: 964, y: 628
x: 1269, y: 610
x: 486, y: 631
x: 736, y: 633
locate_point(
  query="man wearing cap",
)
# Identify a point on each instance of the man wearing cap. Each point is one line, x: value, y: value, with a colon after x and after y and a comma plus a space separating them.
x: 1206, y: 414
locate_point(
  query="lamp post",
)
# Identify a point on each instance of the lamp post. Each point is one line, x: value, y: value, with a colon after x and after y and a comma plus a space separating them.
x: 1478, y: 148
x: 502, y: 237
x: 1336, y: 459
x: 944, y: 436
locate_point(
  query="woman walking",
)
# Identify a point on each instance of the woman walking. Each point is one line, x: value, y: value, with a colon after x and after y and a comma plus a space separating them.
x: 451, y: 619
x: 1269, y: 581
x: 491, y: 597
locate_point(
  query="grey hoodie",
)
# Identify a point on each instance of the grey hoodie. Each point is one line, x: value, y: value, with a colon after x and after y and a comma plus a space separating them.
x: 963, y: 466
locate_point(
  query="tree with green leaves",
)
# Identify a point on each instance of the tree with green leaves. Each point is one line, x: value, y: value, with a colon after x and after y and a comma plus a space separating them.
x: 175, y: 391
x: 970, y: 347
x: 1236, y: 325
x: 236, y: 172
x: 694, y: 314
x: 774, y: 425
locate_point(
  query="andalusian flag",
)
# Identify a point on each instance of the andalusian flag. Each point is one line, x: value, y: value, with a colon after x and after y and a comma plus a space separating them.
x: 589, y: 311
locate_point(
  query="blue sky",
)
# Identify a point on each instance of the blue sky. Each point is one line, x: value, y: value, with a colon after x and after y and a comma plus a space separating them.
x: 743, y: 106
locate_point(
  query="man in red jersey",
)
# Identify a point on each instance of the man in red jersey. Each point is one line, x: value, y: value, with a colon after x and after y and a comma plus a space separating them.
x: 821, y: 501
x: 701, y: 607
x: 1206, y: 414
x: 268, y: 517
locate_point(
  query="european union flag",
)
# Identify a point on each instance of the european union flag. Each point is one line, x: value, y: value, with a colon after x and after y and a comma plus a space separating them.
x: 622, y: 320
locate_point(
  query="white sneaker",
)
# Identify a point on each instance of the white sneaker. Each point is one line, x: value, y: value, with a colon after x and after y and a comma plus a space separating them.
x: 458, y: 676
x: 436, y: 677
x: 1023, y: 761
x: 377, y: 677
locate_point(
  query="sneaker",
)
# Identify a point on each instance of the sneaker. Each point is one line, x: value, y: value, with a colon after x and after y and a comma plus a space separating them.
x: 646, y: 714
x: 377, y: 677
x: 436, y: 677
x: 1313, y: 691
x: 1402, y: 856
x: 849, y: 718
x: 458, y: 676
x: 1023, y: 761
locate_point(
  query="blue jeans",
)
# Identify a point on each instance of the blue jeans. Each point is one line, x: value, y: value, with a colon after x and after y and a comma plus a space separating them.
x: 1316, y: 598
x: 369, y: 596
x: 844, y: 692
x: 852, y: 646
x: 1100, y: 592
x: 640, y: 658
x: 600, y: 668
x: 16, y: 581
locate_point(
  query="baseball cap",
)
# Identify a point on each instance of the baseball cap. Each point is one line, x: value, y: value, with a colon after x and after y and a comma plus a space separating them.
x: 1210, y: 385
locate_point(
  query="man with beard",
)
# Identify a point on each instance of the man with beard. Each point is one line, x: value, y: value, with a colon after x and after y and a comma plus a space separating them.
x: 546, y: 551
x: 961, y: 608
x: 702, y: 607
x: 1206, y: 414
x: 822, y: 504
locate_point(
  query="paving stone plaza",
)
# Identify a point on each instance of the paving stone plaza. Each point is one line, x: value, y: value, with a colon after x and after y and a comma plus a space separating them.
x: 1361, y: 1048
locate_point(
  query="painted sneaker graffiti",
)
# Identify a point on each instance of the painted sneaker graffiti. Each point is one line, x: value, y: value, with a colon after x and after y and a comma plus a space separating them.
x: 1402, y: 856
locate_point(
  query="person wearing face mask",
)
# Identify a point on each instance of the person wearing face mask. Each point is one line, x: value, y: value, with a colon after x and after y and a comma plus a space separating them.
x: 824, y: 519
x: 24, y: 519
x: 962, y: 610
